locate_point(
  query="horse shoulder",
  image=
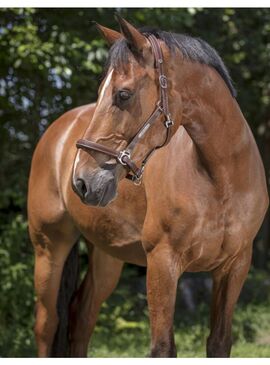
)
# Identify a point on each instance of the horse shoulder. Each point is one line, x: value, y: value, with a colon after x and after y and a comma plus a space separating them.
x: 50, y: 167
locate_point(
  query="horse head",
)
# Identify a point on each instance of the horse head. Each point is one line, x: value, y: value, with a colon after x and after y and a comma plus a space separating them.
x: 131, y: 112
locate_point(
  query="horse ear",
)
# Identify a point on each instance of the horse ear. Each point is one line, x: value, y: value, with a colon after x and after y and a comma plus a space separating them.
x: 109, y: 35
x: 136, y: 40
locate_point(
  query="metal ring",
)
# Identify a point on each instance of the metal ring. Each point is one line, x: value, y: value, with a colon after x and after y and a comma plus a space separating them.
x: 137, y: 180
x: 163, y: 81
x: 121, y: 155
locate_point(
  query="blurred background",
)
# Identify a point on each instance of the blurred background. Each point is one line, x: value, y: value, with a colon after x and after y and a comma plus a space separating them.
x: 51, y: 60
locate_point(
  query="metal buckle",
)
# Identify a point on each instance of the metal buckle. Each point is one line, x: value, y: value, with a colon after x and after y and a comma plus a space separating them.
x: 137, y: 180
x: 163, y: 81
x: 160, y: 107
x: 169, y: 123
x: 121, y: 155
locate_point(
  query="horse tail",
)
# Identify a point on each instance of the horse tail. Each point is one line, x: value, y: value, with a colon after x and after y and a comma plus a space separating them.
x: 68, y: 287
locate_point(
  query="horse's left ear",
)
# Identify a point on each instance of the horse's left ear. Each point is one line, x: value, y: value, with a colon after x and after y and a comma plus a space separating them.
x: 109, y: 35
x: 136, y: 40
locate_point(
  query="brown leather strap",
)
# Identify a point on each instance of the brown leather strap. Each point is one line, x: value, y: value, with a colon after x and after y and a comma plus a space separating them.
x: 88, y: 145
x: 125, y: 160
x: 140, y: 134
x: 163, y: 81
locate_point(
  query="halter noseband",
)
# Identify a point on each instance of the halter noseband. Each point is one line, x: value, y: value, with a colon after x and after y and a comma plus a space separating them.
x: 124, y: 157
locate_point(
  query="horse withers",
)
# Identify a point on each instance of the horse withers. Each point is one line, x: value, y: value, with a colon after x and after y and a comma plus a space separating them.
x: 167, y: 118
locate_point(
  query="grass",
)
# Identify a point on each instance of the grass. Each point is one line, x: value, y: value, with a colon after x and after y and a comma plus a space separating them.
x: 251, y: 339
x: 190, y: 341
x: 123, y: 326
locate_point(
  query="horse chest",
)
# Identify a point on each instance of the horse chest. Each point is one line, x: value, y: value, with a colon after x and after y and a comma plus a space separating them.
x: 117, y: 231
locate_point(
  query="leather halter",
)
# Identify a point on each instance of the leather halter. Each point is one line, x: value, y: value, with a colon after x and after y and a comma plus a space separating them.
x: 124, y: 157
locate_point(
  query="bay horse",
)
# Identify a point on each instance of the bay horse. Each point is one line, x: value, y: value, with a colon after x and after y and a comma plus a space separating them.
x: 199, y: 206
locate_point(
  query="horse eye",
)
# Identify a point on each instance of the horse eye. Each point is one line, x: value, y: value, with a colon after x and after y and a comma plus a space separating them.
x: 124, y: 94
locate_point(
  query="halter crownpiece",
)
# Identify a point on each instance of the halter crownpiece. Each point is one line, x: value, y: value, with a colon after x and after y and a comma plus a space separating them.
x: 124, y: 157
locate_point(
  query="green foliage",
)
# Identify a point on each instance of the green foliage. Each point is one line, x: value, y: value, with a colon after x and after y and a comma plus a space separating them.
x: 17, y: 294
x: 51, y: 61
x: 251, y: 324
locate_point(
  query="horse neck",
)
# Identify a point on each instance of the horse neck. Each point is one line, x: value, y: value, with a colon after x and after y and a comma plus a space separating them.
x: 214, y: 122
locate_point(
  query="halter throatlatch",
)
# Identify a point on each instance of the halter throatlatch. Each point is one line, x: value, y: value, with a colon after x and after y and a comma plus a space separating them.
x: 124, y: 157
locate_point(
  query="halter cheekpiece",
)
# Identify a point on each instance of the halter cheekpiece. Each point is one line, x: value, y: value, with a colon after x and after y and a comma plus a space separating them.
x: 124, y: 157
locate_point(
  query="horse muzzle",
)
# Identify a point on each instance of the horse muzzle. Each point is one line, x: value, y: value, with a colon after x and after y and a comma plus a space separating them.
x: 97, y: 189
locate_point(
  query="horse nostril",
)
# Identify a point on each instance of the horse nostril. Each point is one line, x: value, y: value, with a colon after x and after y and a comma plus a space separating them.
x: 81, y: 187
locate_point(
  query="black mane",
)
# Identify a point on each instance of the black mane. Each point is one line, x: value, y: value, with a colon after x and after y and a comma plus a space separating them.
x: 194, y: 49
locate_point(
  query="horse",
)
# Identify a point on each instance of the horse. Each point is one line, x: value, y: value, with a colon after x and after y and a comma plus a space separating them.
x: 194, y: 198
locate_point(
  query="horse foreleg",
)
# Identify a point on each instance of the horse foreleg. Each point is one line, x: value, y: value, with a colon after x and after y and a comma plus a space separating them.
x: 228, y: 280
x: 49, y: 263
x: 99, y: 282
x: 162, y: 278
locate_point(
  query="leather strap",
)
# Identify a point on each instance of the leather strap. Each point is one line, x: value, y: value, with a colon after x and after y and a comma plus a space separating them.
x: 88, y: 145
x: 124, y: 157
